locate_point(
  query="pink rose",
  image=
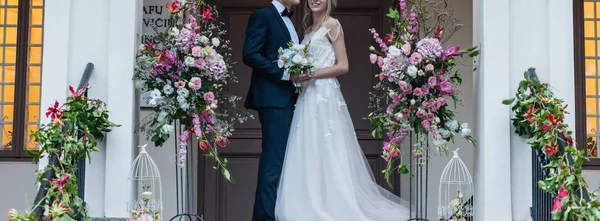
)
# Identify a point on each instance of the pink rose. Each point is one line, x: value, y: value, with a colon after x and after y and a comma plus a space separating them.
x: 420, y: 73
x: 204, y: 144
x: 415, y: 58
x: 179, y: 84
x: 418, y: 92
x: 213, y: 106
x: 209, y: 97
x: 196, y: 83
x: 196, y: 120
x: 429, y: 67
x: 406, y: 48
x: 197, y: 51
x: 405, y: 112
x: 432, y: 81
x: 395, y: 152
x: 373, y: 58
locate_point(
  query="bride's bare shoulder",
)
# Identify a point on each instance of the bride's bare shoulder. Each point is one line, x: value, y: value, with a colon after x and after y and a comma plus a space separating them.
x: 332, y: 23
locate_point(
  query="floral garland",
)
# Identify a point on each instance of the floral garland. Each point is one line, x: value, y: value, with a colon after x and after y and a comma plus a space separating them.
x: 185, y: 71
x: 72, y: 135
x: 418, y: 76
x: 540, y: 116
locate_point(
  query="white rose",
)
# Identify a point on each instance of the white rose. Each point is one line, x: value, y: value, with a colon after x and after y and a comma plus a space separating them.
x: 305, y: 62
x: 280, y: 63
x: 465, y: 132
x: 412, y: 71
x: 184, y: 105
x: 147, y: 195
x: 297, y: 59
x: 203, y: 39
x: 174, y: 32
x: 181, y: 99
x: 413, y: 102
x: 166, y: 129
x: 189, y: 61
x: 141, y: 47
x: 216, y: 42
x: 452, y: 125
x: 155, y: 94
x: 183, y: 92
x: 161, y: 116
x: 286, y: 54
x: 394, y: 51
x: 445, y: 133
x: 299, y: 47
x: 168, y: 89
x: 454, y: 203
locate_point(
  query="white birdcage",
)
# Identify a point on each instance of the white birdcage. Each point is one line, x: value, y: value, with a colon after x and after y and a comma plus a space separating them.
x: 145, y: 185
x: 456, y: 188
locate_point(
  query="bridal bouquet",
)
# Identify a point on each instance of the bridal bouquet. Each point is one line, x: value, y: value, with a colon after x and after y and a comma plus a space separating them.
x: 418, y: 80
x: 295, y: 59
x: 185, y: 71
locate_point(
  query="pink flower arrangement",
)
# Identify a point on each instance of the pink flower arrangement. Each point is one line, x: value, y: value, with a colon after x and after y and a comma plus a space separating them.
x: 418, y: 75
x: 185, y: 70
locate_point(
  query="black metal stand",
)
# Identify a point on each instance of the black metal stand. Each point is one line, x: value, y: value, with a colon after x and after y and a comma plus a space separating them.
x: 418, y: 181
x: 186, y: 204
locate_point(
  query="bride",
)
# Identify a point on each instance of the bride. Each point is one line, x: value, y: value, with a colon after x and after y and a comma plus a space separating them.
x: 325, y: 175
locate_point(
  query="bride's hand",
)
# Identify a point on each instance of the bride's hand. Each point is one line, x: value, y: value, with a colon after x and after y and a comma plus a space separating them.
x: 301, y: 78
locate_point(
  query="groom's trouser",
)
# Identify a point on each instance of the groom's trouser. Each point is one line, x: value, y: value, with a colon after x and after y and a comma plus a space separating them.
x: 275, y: 124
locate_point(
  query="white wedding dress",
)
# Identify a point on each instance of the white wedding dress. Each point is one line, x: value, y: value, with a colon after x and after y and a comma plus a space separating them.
x: 325, y: 175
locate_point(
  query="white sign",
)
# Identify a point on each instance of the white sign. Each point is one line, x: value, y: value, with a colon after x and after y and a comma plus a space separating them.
x: 156, y: 18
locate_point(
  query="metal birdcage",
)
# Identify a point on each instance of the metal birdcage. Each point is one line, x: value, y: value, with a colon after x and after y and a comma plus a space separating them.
x: 145, y: 185
x: 456, y: 185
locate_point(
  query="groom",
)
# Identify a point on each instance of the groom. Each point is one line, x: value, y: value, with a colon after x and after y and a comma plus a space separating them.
x: 272, y: 94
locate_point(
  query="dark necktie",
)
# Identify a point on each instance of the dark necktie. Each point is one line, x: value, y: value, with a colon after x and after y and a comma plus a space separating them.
x: 287, y: 13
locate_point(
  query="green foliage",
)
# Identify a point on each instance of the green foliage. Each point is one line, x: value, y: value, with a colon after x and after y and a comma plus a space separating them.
x: 76, y: 127
x: 539, y: 115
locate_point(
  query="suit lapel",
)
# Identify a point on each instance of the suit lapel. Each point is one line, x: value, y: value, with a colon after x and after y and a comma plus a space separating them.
x: 280, y: 21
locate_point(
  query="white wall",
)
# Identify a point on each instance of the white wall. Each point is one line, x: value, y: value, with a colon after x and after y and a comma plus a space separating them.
x: 18, y: 189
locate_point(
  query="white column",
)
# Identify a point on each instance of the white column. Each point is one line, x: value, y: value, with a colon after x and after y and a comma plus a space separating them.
x: 492, y: 157
x: 123, y: 27
x: 55, y: 57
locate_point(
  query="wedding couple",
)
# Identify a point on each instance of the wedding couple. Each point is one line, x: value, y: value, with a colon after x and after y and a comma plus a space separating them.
x: 312, y: 167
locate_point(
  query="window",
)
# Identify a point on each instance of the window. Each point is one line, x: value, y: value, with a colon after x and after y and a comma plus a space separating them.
x: 21, y: 28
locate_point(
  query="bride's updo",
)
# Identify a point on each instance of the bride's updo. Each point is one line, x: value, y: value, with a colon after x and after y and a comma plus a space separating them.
x: 307, y: 20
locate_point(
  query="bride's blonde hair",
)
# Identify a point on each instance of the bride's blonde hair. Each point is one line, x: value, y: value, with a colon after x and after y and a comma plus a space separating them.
x: 307, y: 20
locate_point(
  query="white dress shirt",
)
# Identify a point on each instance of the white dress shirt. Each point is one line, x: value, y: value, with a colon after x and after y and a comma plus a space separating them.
x: 291, y: 30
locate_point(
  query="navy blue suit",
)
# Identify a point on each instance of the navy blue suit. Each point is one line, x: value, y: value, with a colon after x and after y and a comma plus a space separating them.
x: 273, y: 98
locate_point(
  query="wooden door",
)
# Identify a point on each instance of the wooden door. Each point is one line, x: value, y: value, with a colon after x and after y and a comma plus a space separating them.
x: 223, y: 201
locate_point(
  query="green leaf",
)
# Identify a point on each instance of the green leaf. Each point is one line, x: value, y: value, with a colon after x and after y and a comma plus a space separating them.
x: 65, y: 218
x: 226, y: 174
x: 34, y: 154
x: 509, y: 101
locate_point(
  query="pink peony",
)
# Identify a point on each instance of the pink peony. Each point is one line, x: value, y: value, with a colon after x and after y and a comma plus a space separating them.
x: 415, y: 58
x: 445, y: 87
x: 209, y: 97
x: 197, y: 51
x: 373, y: 58
x: 432, y: 81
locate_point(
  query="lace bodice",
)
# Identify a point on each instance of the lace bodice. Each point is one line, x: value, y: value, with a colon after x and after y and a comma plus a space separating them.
x: 320, y: 48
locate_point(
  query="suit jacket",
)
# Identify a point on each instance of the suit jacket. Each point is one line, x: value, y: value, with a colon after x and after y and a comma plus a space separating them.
x: 265, y: 34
